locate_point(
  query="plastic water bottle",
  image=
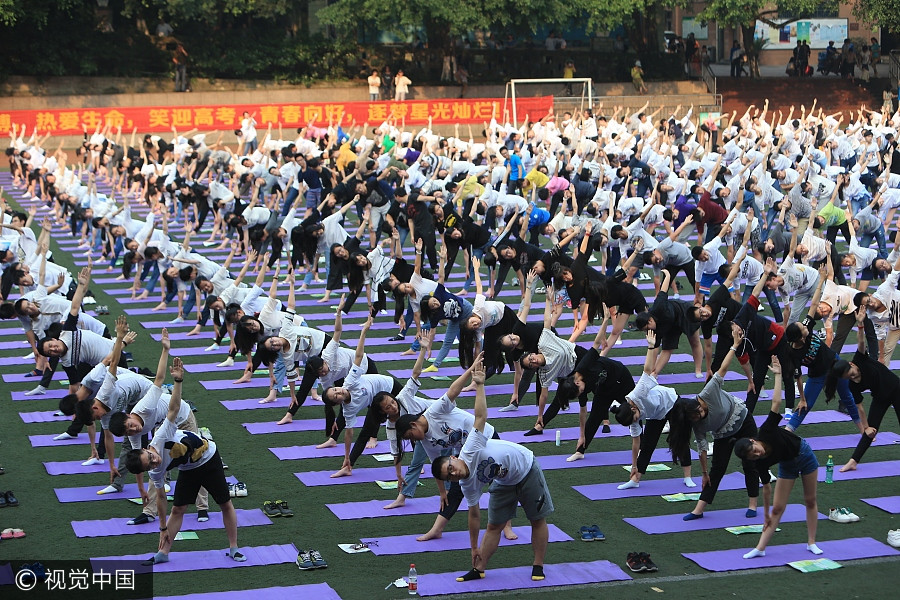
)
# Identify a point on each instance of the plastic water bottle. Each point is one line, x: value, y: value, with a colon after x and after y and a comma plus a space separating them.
x: 558, y: 437
x: 829, y: 470
x: 413, y: 581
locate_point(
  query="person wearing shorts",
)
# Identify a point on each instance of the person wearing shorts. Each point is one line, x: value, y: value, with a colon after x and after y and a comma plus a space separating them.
x: 774, y: 444
x: 200, y: 466
x: 515, y: 477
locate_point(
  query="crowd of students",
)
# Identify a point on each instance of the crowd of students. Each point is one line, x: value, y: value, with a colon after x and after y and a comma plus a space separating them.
x: 581, y: 208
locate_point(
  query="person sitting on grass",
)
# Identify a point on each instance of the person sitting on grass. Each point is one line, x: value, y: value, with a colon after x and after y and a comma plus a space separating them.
x: 515, y: 477
x: 776, y: 445
x: 199, y: 465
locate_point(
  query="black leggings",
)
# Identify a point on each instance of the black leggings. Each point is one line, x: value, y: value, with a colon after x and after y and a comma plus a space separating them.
x: 649, y: 440
x: 612, y: 392
x: 723, y: 450
x: 877, y: 411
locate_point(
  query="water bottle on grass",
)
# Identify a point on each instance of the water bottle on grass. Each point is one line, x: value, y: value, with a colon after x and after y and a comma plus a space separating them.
x: 829, y: 470
x: 413, y: 581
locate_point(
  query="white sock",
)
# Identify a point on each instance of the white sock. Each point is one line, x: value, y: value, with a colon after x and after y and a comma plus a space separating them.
x: 814, y: 549
x: 629, y: 484
x: 689, y: 482
x: 754, y: 553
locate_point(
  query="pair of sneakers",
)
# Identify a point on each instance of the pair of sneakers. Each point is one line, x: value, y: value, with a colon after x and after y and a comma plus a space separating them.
x: 237, y: 490
x: 639, y: 562
x: 893, y: 538
x: 307, y: 560
x: 842, y: 515
x: 277, y: 508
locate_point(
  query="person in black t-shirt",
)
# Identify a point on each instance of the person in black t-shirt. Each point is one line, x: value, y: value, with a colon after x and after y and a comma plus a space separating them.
x: 774, y: 445
x: 865, y: 373
x: 421, y: 223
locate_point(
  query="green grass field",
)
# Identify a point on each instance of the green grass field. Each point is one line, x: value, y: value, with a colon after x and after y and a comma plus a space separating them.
x: 364, y: 576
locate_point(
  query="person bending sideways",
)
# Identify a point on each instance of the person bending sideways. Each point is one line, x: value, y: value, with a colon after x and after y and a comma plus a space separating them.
x: 515, y: 478
x: 199, y: 464
x: 717, y: 412
x: 773, y: 445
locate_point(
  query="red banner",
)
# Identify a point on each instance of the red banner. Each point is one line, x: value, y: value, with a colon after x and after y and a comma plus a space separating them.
x: 148, y: 119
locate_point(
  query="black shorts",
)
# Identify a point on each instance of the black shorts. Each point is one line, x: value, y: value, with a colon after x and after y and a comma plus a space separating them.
x: 210, y: 475
x: 633, y: 301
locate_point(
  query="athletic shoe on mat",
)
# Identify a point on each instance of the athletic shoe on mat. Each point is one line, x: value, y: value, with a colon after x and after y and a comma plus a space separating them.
x: 141, y: 519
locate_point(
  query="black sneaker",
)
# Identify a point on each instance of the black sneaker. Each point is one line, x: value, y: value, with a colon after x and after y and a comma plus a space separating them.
x: 397, y: 338
x: 283, y: 508
x: 317, y: 560
x: 146, y: 372
x: 304, y: 563
x: 141, y: 519
x: 202, y: 516
x: 635, y: 562
x: 605, y: 429
x: 649, y: 565
x: 11, y: 500
x: 271, y: 509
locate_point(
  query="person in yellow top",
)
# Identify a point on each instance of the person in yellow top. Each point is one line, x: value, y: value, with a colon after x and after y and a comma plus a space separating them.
x: 535, y: 178
x: 637, y: 78
x: 569, y: 73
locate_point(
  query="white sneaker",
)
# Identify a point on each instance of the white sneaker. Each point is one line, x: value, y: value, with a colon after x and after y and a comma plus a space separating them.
x: 893, y: 538
x: 110, y: 489
x: 510, y: 407
x: 29, y: 357
x: 212, y: 347
x: 228, y: 362
x: 64, y: 436
x: 93, y: 461
x: 89, y: 300
x: 666, y: 427
x: 838, y: 516
x: 850, y: 515
x: 177, y: 320
x: 760, y: 308
x: 788, y: 413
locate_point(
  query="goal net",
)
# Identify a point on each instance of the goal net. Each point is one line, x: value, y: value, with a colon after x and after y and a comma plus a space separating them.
x: 577, y: 93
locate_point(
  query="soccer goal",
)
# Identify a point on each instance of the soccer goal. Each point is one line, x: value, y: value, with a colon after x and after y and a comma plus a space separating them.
x: 579, y: 91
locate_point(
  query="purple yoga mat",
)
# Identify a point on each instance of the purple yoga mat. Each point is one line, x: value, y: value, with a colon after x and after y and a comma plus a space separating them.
x: 776, y: 556
x: 654, y: 487
x: 295, y: 426
x: 452, y: 540
x: 19, y: 345
x: 45, y: 441
x: 202, y: 560
x: 74, y: 467
x: 319, y: 591
x: 889, y: 504
x: 490, y: 390
x: 713, y: 519
x: 108, y: 527
x: 849, y: 440
x: 816, y: 417
x: 887, y: 468
x: 8, y: 361
x: 88, y: 493
x: 206, y: 334
x: 375, y: 508
x: 22, y: 378
x: 253, y: 403
x: 519, y: 578
x: 302, y: 452
x: 48, y: 395
x: 201, y: 351
x: 210, y: 367
x: 42, y: 416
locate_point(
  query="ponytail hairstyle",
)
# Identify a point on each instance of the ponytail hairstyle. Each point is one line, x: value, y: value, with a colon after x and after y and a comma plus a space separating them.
x: 838, y: 371
x: 680, y: 427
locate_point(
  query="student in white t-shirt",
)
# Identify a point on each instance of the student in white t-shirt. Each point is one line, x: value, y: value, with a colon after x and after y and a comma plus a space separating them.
x: 199, y: 464
x: 515, y: 478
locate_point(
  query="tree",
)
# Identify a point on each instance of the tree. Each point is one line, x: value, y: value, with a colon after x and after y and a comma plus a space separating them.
x: 882, y: 13
x: 745, y: 13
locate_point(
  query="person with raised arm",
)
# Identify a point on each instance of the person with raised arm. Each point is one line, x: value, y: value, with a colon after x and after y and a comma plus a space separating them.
x: 515, y: 477
x: 773, y: 445
x: 357, y: 393
x: 199, y: 465
x: 715, y: 411
x: 651, y: 403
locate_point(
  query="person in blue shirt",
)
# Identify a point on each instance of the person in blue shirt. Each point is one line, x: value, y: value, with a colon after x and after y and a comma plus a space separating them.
x: 516, y: 170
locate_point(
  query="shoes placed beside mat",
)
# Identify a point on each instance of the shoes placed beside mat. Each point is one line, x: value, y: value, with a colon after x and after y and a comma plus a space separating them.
x: 318, y: 562
x: 11, y: 500
x: 283, y: 508
x: 304, y: 562
x: 271, y: 509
